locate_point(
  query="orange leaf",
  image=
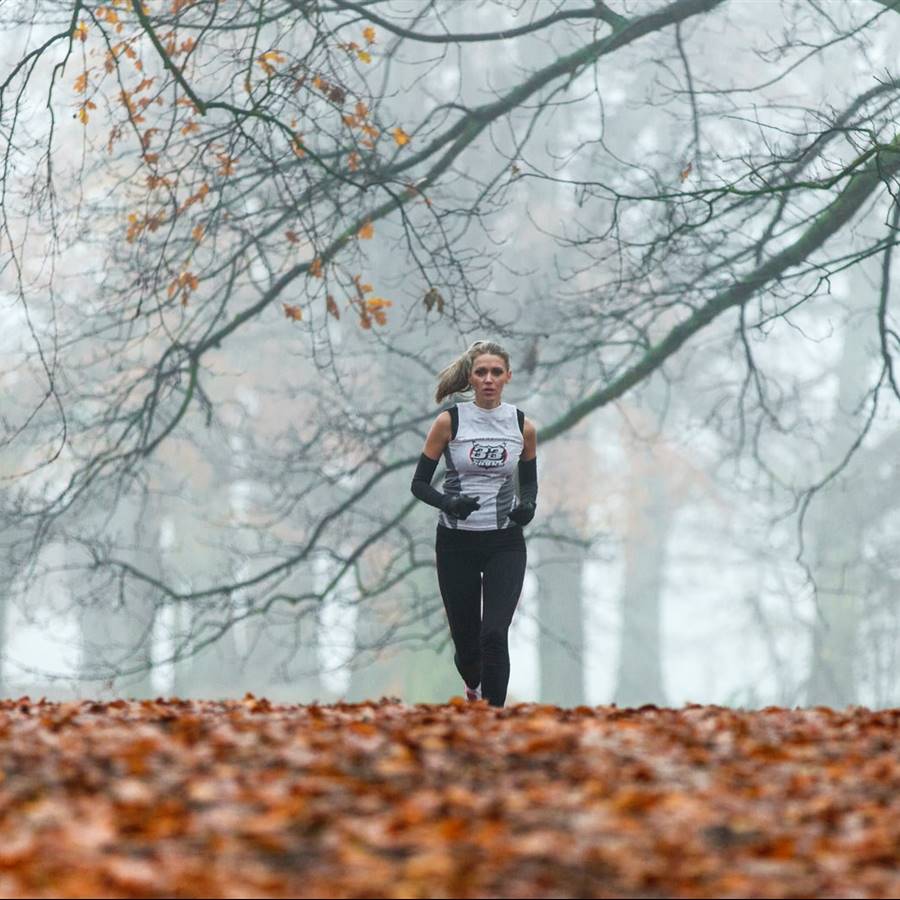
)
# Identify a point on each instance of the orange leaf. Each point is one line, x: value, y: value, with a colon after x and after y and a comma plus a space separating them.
x: 369, y: 34
x: 81, y: 31
x: 197, y: 233
x: 315, y: 268
x: 266, y: 59
x: 83, y: 111
x: 332, y: 306
x: 293, y: 312
x: 400, y: 136
x: 686, y: 171
x: 365, y: 233
x: 81, y: 83
x: 226, y: 164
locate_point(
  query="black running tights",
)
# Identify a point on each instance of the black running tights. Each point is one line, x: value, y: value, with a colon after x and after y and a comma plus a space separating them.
x: 480, y: 638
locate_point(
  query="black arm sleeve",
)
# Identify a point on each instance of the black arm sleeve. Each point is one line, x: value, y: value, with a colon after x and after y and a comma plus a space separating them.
x: 528, y: 485
x: 421, y: 483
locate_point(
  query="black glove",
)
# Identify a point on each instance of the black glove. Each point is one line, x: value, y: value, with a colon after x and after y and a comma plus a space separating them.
x: 523, y: 513
x: 460, y: 506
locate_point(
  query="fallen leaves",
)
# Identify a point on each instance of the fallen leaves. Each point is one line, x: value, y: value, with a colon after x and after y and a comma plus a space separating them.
x: 381, y: 799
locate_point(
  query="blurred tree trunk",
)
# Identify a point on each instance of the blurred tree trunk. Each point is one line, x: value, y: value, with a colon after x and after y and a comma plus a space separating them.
x: 281, y: 657
x: 6, y: 578
x: 559, y: 572
x: 198, y: 558
x: 376, y: 670
x: 839, y: 517
x: 649, y: 520
x: 119, y: 634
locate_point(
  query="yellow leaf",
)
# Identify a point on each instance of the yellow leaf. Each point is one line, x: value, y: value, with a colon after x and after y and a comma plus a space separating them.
x: 266, y: 59
x: 81, y: 31
x: 400, y: 136
x: 364, y: 56
x: 83, y: 111
x: 369, y: 34
x: 81, y: 83
x: 365, y: 233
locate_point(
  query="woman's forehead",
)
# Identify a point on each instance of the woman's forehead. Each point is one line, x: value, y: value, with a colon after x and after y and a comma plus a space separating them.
x: 488, y: 359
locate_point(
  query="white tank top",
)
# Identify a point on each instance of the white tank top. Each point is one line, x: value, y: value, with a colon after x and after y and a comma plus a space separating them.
x: 482, y: 461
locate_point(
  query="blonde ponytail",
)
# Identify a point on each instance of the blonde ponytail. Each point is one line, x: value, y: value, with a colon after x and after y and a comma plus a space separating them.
x: 455, y: 378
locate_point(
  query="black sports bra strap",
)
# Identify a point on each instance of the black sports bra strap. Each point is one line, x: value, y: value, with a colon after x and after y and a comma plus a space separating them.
x: 454, y: 421
x: 521, y: 417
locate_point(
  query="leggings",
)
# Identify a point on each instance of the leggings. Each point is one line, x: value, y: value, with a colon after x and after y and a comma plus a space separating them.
x: 481, y: 640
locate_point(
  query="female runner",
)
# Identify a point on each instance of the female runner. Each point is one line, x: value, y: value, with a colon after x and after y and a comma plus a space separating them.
x: 480, y: 546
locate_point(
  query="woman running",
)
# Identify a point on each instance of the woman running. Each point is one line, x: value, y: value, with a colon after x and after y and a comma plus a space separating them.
x: 479, y: 545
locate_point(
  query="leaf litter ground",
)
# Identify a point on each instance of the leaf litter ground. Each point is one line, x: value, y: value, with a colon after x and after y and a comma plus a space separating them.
x: 243, y: 798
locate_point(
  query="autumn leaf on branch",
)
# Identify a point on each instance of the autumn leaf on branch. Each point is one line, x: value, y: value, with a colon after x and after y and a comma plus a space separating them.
x: 269, y: 59
x: 433, y: 298
x: 83, y: 111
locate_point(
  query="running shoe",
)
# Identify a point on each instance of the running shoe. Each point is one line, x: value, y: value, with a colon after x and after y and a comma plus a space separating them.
x: 473, y: 694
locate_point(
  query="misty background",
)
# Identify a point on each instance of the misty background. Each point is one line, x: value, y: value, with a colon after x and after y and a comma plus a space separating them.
x: 684, y: 240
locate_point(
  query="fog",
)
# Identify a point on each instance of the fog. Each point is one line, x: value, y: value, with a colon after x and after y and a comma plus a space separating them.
x: 226, y: 309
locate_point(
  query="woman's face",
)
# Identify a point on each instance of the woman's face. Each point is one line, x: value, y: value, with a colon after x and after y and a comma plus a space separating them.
x: 489, y: 375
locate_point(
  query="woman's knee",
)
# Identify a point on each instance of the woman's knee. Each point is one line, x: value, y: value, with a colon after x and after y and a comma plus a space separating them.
x: 494, y: 640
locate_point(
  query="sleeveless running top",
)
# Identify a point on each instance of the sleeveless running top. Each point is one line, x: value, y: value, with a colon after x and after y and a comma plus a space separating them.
x: 482, y: 459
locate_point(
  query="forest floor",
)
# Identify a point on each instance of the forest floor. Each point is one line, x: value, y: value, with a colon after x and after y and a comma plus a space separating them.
x: 177, y: 798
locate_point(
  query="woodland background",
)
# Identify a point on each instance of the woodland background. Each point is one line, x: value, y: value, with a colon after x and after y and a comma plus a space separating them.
x: 238, y: 240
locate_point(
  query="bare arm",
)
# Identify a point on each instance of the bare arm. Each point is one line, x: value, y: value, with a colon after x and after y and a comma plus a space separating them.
x: 438, y: 436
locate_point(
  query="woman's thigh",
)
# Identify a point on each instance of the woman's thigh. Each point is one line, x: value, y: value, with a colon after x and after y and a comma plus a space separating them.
x: 459, y: 578
x: 504, y: 575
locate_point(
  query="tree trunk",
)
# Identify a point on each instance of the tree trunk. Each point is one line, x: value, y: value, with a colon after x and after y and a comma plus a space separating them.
x: 838, y: 520
x: 559, y: 570
x: 118, y: 632
x: 639, y: 674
